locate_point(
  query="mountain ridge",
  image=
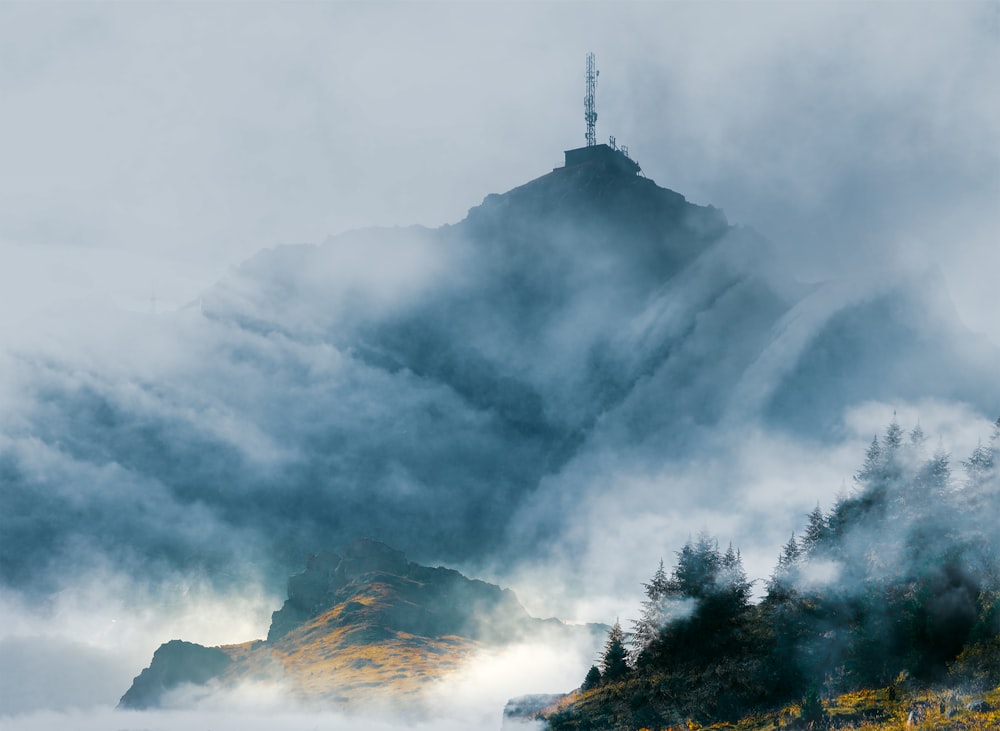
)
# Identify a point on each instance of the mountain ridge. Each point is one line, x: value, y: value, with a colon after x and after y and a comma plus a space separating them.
x: 433, y: 386
x: 357, y: 626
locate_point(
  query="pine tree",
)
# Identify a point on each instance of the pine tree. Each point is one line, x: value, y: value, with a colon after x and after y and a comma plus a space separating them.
x: 779, y: 586
x: 934, y: 475
x: 647, y: 627
x: 790, y: 554
x: 980, y: 465
x: 817, y: 530
x: 891, y: 444
x: 873, y: 468
x: 614, y: 660
x: 732, y: 579
x: 593, y: 678
x: 697, y: 567
x: 893, y: 435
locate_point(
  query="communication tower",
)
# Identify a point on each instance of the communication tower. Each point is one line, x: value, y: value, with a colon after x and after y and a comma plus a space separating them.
x: 589, y: 102
x: 611, y: 156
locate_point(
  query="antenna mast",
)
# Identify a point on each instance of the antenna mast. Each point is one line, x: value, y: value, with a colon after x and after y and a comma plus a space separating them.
x: 589, y: 104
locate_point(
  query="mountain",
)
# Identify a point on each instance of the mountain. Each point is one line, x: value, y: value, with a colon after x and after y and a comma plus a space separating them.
x: 358, y: 625
x: 427, y: 386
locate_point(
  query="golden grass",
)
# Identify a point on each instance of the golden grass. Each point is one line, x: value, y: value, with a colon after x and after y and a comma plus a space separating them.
x: 874, y: 710
x: 864, y: 710
x: 325, y: 660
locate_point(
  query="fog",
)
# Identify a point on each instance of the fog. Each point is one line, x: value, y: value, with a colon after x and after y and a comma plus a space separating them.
x: 199, y: 386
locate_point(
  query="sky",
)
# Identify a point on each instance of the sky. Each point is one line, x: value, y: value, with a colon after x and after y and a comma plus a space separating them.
x: 148, y: 149
x: 169, y: 141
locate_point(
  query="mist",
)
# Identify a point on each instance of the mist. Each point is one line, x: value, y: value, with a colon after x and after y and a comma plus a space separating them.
x: 241, y: 320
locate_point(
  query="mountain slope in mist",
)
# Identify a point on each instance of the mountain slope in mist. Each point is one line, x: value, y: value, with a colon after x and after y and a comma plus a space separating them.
x: 437, y: 387
x: 359, y: 626
x: 896, y: 587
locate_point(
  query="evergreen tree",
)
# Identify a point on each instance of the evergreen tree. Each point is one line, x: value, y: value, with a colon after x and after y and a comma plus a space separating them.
x: 933, y: 477
x: 873, y: 468
x: 779, y: 586
x: 980, y: 465
x: 817, y: 530
x: 891, y: 444
x: 593, y: 678
x: 790, y: 554
x: 697, y: 567
x: 646, y: 628
x: 614, y: 660
x: 732, y: 579
x: 893, y: 436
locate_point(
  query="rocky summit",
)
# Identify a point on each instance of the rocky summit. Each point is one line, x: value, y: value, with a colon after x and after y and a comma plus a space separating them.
x: 359, y: 624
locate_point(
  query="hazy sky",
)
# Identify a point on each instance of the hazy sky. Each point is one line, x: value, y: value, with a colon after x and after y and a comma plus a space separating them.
x: 147, y: 147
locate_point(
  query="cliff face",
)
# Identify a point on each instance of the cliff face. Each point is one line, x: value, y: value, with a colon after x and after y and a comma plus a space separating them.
x: 359, y: 624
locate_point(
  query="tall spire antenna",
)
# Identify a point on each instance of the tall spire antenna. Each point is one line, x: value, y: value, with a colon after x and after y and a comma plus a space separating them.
x: 589, y: 102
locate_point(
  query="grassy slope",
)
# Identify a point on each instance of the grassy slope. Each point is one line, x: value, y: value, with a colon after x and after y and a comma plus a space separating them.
x: 323, y: 660
x: 871, y: 710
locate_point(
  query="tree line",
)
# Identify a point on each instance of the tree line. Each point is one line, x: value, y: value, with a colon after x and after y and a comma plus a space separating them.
x: 898, y: 580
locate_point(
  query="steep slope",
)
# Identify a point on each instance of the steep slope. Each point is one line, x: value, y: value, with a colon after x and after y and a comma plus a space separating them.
x: 896, y: 587
x: 423, y: 386
x: 358, y: 625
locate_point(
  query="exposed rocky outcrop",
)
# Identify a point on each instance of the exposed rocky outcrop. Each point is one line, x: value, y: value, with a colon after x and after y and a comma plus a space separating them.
x: 358, y: 623
x: 418, y: 600
x: 174, y: 664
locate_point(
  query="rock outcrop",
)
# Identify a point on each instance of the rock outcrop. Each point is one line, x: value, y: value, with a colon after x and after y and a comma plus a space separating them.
x: 175, y: 664
x: 359, y: 624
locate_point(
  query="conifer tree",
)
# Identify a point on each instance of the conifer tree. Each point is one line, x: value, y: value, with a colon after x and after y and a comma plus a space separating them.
x: 647, y: 627
x: 980, y: 465
x: 614, y: 660
x: 893, y: 435
x: 732, y: 579
x: 697, y: 567
x: 593, y: 678
x: 817, y: 530
x: 779, y: 586
x: 874, y: 465
x: 790, y: 554
x: 933, y: 477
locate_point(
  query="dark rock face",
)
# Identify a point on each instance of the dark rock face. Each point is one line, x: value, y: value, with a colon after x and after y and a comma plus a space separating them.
x: 174, y: 664
x: 398, y: 594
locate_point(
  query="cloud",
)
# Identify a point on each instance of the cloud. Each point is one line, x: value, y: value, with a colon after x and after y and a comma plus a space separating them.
x: 468, y: 398
x: 229, y: 719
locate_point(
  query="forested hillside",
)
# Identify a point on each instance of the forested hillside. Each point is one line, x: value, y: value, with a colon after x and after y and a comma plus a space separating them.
x: 897, y: 584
